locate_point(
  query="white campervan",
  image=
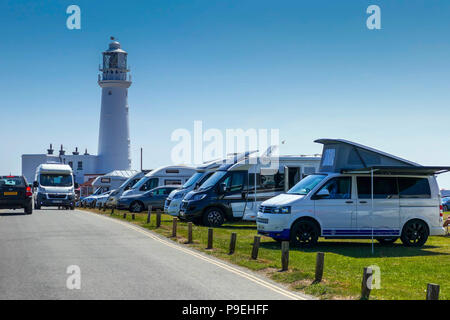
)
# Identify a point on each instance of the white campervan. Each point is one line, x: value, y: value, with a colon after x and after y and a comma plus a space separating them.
x: 169, y: 175
x: 358, y: 193
x: 54, y: 186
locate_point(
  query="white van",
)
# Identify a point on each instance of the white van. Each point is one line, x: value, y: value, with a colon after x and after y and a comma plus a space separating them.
x: 169, y: 175
x: 338, y: 201
x: 54, y: 186
x: 235, y: 190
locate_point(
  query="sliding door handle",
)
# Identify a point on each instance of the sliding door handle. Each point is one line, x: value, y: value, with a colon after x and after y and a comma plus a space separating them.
x: 349, y: 201
x: 363, y: 202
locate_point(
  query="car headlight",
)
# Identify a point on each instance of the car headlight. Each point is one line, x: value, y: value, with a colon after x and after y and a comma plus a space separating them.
x: 198, y: 197
x: 284, y: 209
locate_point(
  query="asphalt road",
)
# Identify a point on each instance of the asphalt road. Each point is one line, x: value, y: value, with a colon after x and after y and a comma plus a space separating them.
x: 116, y: 261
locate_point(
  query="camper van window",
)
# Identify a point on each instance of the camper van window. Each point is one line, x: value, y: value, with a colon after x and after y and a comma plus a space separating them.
x: 338, y: 188
x: 328, y: 157
x: 272, y: 182
x: 307, y: 184
x: 213, y: 180
x: 149, y: 184
x: 171, y: 182
x: 414, y: 188
x: 236, y: 181
x: 172, y: 171
x: 55, y: 180
x: 384, y: 187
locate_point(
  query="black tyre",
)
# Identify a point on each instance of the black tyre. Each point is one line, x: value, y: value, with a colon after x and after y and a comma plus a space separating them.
x: 37, y: 206
x: 72, y: 207
x: 387, y: 240
x: 213, y: 217
x: 28, y: 209
x: 304, y: 233
x: 415, y: 233
x: 136, y: 207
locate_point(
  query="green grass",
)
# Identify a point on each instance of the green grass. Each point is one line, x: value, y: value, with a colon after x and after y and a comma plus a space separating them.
x: 405, y: 272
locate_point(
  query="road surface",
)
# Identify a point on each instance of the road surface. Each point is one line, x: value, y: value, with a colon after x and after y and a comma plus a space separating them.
x: 116, y: 260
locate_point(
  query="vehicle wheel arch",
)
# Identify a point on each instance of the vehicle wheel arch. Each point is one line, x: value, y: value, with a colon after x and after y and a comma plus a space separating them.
x: 136, y: 201
x: 414, y: 219
x: 226, y: 212
x: 308, y: 218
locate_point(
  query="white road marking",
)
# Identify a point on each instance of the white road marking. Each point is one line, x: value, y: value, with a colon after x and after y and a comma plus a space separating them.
x: 169, y: 243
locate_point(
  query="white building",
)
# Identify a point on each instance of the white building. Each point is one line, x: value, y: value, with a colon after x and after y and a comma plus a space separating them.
x: 114, y: 136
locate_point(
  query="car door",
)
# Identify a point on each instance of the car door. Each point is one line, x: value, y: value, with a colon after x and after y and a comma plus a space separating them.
x: 234, y: 196
x: 157, y: 198
x: 335, y: 206
x: 383, y: 216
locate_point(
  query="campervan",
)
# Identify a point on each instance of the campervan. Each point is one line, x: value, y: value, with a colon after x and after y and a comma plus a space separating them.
x: 54, y: 186
x: 127, y: 185
x: 203, y: 172
x: 235, y: 190
x: 113, y: 180
x: 168, y: 175
x: 358, y: 193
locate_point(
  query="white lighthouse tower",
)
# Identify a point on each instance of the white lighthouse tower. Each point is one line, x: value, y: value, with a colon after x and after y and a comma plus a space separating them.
x: 114, y: 134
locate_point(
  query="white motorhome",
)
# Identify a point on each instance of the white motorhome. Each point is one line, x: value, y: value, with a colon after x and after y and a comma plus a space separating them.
x: 54, y: 186
x: 236, y: 189
x: 168, y: 175
x: 358, y: 193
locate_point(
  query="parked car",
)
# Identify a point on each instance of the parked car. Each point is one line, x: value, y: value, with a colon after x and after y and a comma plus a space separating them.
x: 445, y: 204
x: 15, y: 193
x: 140, y: 202
x: 102, y: 198
x: 90, y: 200
x: 127, y: 185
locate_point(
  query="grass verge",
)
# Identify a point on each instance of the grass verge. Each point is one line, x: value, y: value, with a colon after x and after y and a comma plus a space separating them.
x: 405, y: 272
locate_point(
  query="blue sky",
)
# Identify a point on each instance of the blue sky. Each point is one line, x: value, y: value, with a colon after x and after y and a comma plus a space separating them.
x: 310, y: 68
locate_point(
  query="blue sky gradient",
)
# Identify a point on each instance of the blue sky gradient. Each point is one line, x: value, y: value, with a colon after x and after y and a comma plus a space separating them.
x: 310, y: 68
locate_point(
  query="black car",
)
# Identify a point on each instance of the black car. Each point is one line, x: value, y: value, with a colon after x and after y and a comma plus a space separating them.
x: 15, y: 193
x: 140, y: 202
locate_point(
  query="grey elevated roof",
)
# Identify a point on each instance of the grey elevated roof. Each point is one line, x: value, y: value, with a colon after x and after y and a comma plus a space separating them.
x: 339, y: 155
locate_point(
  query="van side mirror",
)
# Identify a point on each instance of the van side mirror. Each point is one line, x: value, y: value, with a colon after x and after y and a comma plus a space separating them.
x: 323, y: 193
x: 35, y: 184
x: 223, y: 187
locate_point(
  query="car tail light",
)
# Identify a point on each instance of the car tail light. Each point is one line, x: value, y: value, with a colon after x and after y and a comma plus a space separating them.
x: 28, y: 192
x: 441, y: 211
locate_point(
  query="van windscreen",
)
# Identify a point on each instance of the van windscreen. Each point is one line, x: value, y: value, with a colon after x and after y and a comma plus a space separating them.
x: 55, y: 180
x: 213, y: 180
x: 307, y: 184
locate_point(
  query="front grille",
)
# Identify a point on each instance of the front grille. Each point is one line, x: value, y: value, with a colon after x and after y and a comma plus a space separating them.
x: 262, y: 220
x: 56, y: 196
x: 265, y: 209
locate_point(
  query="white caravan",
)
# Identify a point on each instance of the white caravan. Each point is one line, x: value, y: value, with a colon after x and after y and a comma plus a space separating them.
x: 358, y: 193
x: 235, y: 190
x: 54, y: 186
x: 168, y: 175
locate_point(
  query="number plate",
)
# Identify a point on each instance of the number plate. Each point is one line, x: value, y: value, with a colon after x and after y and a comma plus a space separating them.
x: 10, y: 193
x: 57, y: 201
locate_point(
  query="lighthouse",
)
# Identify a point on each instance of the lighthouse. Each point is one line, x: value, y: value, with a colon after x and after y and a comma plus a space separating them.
x: 114, y: 132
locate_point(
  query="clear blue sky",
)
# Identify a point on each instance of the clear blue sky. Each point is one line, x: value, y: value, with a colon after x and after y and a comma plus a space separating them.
x: 310, y: 68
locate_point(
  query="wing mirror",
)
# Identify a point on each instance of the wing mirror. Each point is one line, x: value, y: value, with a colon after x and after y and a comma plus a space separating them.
x: 323, y: 193
x: 76, y: 185
x: 223, y: 187
x: 35, y: 184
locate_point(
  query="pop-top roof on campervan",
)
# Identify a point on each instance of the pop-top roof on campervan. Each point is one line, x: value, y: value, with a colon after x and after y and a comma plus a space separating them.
x: 345, y: 156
